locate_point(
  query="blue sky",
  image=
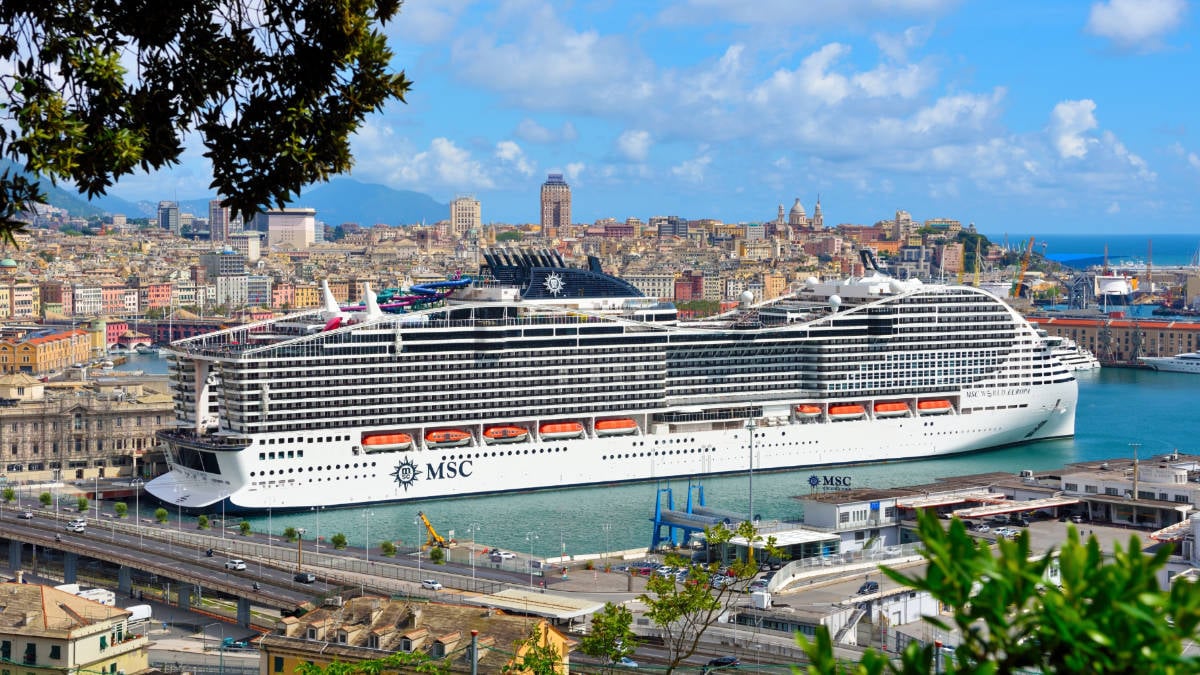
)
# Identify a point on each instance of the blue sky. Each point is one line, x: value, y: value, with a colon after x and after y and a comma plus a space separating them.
x: 1018, y: 116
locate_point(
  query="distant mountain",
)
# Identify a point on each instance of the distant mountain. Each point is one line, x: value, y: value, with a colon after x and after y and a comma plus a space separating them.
x: 345, y: 200
x: 341, y: 200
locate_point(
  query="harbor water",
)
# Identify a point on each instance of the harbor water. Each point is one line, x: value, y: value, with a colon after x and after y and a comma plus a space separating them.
x: 1120, y: 409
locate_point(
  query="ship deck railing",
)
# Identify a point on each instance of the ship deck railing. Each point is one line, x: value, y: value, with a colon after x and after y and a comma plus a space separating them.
x: 213, y: 441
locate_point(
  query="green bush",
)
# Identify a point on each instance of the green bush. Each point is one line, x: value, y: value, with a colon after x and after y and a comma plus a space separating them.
x: 388, y: 549
x: 437, y: 555
x: 338, y: 540
x: 82, y: 504
x: 244, y: 528
x: 160, y: 514
x: 46, y: 499
x: 121, y: 509
x: 291, y: 534
x: 202, y: 522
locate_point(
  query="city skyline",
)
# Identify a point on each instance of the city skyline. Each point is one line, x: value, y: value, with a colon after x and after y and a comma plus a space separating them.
x: 1060, y: 118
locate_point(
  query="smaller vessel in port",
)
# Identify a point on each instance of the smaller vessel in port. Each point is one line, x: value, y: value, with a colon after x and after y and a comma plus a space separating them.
x: 1180, y: 363
x: 559, y: 430
x: 446, y: 438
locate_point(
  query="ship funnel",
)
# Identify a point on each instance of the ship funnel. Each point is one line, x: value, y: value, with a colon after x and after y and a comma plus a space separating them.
x: 331, y: 308
x: 371, y: 302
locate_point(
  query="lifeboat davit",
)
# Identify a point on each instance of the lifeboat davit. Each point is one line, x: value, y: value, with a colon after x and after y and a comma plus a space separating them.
x: 891, y: 409
x: 617, y: 427
x: 446, y: 438
x: 808, y: 410
x: 508, y: 433
x: 387, y: 440
x: 938, y: 406
x: 847, y: 411
x: 556, y: 430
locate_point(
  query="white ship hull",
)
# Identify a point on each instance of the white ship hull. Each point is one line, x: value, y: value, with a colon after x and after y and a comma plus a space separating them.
x: 277, y: 415
x: 1181, y: 363
x: 1014, y: 418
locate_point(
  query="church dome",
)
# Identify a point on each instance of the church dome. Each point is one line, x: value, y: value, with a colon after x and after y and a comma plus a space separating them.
x: 8, y: 262
x: 797, y: 209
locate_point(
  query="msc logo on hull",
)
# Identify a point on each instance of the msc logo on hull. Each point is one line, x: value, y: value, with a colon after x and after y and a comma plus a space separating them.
x: 829, y: 482
x: 407, y: 472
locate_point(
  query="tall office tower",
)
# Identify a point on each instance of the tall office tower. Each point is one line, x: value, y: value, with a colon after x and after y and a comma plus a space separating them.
x: 168, y: 217
x: 556, y: 203
x: 465, y: 215
x: 289, y: 229
x: 218, y: 221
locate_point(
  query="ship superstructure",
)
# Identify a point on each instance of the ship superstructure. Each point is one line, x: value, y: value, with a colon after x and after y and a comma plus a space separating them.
x: 536, y: 375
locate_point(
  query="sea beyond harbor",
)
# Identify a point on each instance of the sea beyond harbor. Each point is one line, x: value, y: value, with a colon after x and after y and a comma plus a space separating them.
x: 1120, y: 410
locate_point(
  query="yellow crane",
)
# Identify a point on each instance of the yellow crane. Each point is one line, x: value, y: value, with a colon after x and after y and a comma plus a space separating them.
x: 1016, y: 289
x: 435, y: 539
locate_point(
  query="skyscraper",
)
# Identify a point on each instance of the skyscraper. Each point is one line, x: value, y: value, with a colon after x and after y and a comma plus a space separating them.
x: 556, y: 203
x: 218, y: 221
x: 168, y: 217
x: 464, y: 215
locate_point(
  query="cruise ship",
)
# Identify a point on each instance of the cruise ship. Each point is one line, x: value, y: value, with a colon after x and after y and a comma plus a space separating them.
x: 1180, y: 363
x: 1069, y: 352
x: 536, y: 374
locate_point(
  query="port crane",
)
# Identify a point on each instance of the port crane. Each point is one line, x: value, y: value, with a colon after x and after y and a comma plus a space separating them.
x: 435, y: 539
x: 1016, y: 289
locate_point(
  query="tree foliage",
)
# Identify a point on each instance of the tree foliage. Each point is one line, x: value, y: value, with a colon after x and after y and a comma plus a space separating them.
x: 99, y: 90
x: 396, y: 662
x: 81, y: 504
x: 1108, y: 616
x: 8, y: 495
x: 611, y: 635
x: 46, y: 499
x: 684, y: 611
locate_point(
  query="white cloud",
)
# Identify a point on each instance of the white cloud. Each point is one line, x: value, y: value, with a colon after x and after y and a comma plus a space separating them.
x: 531, y: 131
x: 896, y: 47
x: 575, y: 170
x: 1121, y: 152
x: 427, y: 22
x: 510, y: 152
x: 634, y: 145
x: 1068, y: 122
x: 782, y: 163
x: 692, y: 170
x: 776, y: 13
x: 1191, y: 158
x: 383, y: 158
x: 1136, y: 23
x: 1113, y: 208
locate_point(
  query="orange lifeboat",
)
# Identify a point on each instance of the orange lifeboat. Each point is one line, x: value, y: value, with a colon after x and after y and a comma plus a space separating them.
x: 938, y: 406
x: 507, y: 433
x: 618, y: 427
x: 387, y: 440
x: 891, y: 409
x: 808, y: 410
x: 556, y: 430
x: 847, y: 411
x: 446, y: 438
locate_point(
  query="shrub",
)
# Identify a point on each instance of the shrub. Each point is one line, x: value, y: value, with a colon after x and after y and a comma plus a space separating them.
x: 338, y: 540
x: 160, y: 514
x: 121, y: 509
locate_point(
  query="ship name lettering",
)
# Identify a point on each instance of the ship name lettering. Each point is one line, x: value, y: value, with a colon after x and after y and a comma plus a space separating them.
x: 449, y: 469
x: 991, y: 393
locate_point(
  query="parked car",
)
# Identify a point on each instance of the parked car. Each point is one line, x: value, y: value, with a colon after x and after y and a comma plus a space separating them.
x: 868, y: 587
x: 982, y: 528
x: 305, y: 577
x: 235, y: 564
x: 722, y: 663
x: 505, y: 554
x: 431, y: 584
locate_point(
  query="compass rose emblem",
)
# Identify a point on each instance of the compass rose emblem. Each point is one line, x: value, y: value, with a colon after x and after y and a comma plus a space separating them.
x: 554, y: 284
x: 406, y: 473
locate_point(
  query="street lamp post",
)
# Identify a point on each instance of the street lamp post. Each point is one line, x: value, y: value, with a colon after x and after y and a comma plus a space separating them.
x: 96, y: 496
x: 367, y: 520
x: 474, y: 529
x: 318, y: 510
x: 417, y: 543
x: 531, y: 537
x: 300, y: 548
x: 607, y: 544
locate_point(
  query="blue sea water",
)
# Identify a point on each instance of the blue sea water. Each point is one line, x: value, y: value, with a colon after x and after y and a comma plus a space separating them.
x: 1082, y: 250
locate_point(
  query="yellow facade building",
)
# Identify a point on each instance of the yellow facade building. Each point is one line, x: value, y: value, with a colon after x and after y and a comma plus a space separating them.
x: 44, y: 631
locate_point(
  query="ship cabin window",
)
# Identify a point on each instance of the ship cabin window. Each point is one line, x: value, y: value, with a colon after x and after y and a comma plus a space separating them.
x: 271, y: 455
x: 291, y: 454
x: 262, y: 456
